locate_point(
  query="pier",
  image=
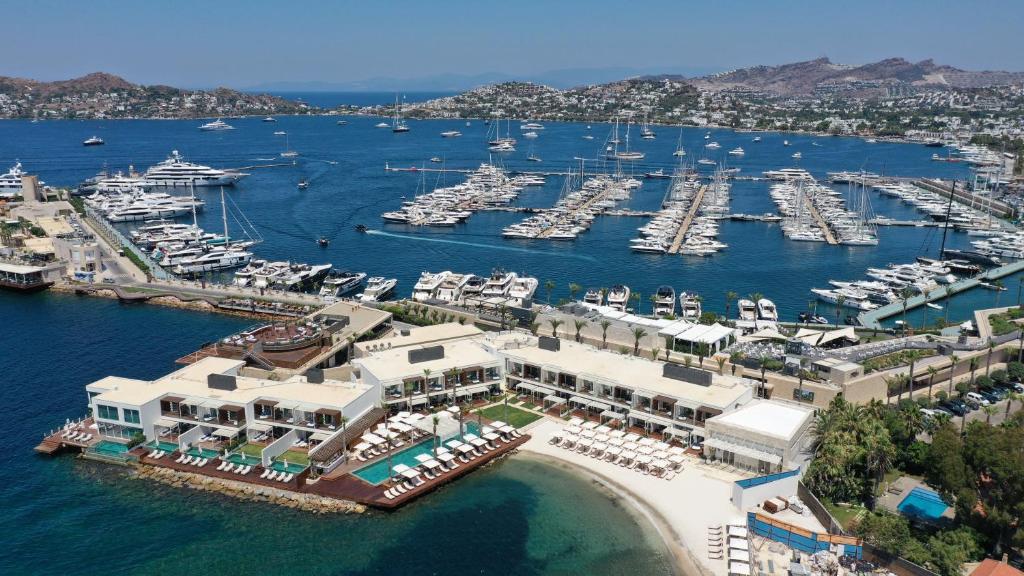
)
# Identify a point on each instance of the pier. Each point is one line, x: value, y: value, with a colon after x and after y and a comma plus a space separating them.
x: 873, y: 318
x: 685, y: 226
x: 825, y: 230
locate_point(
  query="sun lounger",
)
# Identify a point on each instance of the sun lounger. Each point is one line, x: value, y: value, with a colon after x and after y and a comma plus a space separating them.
x: 246, y: 470
x: 389, y: 494
x: 428, y: 474
x: 289, y: 477
x: 401, y: 489
x: 360, y: 457
x: 516, y: 434
x: 266, y: 472
x: 223, y: 465
x: 272, y: 475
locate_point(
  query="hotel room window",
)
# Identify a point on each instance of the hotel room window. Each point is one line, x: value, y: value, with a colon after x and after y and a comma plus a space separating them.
x: 107, y: 412
x: 493, y: 373
x: 131, y: 416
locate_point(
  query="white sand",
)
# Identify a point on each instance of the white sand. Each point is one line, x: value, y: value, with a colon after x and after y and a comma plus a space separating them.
x: 696, y: 498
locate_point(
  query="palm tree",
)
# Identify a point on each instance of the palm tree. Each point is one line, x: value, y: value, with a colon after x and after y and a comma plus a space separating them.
x: 654, y: 353
x: 1010, y: 398
x: 730, y: 297
x: 453, y: 373
x: 604, y: 295
x: 989, y: 411
x: 953, y: 361
x: 764, y: 367
x: 932, y: 372
x: 653, y: 299
x: 555, y: 323
x: 840, y: 301
x: 387, y: 437
x: 574, y: 289
x: 721, y: 364
x: 434, y: 419
x: 579, y: 327
x: 604, y: 332
x: 910, y: 377
x: 669, y: 344
x: 549, y: 286
x: 988, y: 361
x: 974, y: 367
x: 426, y: 381
x: 635, y: 296
x: 800, y: 375
x: 534, y: 326
x: 638, y: 334
x: 879, y: 453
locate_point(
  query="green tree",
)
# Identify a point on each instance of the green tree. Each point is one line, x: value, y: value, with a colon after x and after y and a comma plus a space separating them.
x: 554, y: 323
x: 549, y: 287
x: 638, y: 334
x: 605, y: 324
x: 579, y: 324
x: 574, y: 289
x: 730, y: 297
x: 888, y: 532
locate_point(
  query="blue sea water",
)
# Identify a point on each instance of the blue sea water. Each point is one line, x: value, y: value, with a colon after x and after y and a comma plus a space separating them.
x: 348, y: 186
x: 65, y: 515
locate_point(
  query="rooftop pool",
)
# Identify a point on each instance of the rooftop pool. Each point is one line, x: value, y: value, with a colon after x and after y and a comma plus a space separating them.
x: 922, y: 503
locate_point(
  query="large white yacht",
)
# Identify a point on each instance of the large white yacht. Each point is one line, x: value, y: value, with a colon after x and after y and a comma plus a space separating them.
x: 216, y: 259
x: 499, y: 284
x: 426, y: 288
x: 10, y: 183
x: 766, y: 310
x: 339, y: 284
x: 690, y: 306
x: 175, y: 171
x: 451, y: 289
x: 747, y: 310
x: 618, y: 297
x: 664, y: 301
x: 594, y: 296
x: 217, y: 125
x: 523, y: 289
x: 378, y: 288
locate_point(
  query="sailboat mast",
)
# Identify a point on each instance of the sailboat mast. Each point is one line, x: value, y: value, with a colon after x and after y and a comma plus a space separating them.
x: 195, y: 223
x: 224, y: 217
x: 949, y: 208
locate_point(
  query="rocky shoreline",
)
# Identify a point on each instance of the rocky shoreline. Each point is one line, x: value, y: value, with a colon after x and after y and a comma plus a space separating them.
x: 167, y: 301
x: 244, y: 491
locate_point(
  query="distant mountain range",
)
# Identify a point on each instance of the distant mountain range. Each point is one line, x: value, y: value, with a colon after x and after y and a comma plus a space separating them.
x: 101, y: 95
x: 566, y: 78
x: 806, y: 78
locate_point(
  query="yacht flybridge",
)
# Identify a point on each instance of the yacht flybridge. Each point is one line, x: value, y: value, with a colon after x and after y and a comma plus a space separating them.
x: 618, y: 297
x: 175, y: 171
x: 10, y: 183
x: 664, y: 301
x: 427, y: 286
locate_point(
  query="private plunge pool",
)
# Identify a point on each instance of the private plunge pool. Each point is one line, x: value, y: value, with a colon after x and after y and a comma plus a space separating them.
x: 923, y: 504
x: 378, y: 472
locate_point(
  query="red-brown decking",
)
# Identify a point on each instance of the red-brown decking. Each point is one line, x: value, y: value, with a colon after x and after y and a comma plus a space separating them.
x: 253, y: 477
x: 55, y: 442
x: 349, y: 487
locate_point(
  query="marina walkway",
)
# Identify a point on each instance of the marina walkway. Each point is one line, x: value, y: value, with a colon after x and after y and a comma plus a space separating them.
x: 685, y: 226
x: 825, y: 230
x: 873, y: 318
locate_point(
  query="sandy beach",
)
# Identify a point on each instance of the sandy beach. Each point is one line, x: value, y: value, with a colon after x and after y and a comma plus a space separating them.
x: 681, y: 509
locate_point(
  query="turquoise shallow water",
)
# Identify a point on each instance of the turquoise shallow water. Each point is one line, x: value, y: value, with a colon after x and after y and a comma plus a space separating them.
x: 79, y: 517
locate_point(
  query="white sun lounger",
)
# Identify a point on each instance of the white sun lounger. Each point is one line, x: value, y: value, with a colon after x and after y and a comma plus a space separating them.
x: 266, y: 473
x: 288, y: 477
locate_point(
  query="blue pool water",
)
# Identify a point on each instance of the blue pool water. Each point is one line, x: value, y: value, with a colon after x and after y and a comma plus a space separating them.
x: 291, y: 467
x: 108, y: 448
x: 165, y: 446
x: 378, y: 471
x: 924, y: 504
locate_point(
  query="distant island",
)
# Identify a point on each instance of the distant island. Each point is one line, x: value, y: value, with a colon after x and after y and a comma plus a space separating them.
x: 99, y: 96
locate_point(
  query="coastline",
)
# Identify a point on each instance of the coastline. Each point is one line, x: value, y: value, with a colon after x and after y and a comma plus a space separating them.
x: 684, y: 562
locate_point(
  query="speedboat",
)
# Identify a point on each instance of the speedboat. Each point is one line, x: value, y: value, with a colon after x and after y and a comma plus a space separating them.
x: 737, y: 151
x: 270, y: 119
x: 522, y: 289
x: 340, y: 283
x: 657, y: 174
x: 94, y: 141
x: 746, y: 309
x: 766, y: 310
x: 451, y: 134
x: 593, y: 296
x: 426, y: 287
x: 217, y: 125
x: 689, y: 302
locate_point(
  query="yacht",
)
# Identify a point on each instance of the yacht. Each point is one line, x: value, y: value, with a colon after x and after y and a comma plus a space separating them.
x: 522, y: 289
x: 270, y: 119
x: 451, y: 289
x: 301, y: 277
x: 746, y: 309
x: 757, y: 138
x: 797, y: 155
x: 451, y: 134
x: 498, y: 284
x: 398, y: 125
x: 382, y: 125
x: 426, y: 288
x: 690, y: 308
x: 244, y: 277
x: 531, y: 126
x: 10, y: 183
x: 279, y: 133
x: 664, y: 301
x: 530, y: 134
x: 713, y: 145
x: 473, y: 288
x: 217, y: 125
x: 338, y: 284
x: 378, y: 288
x: 217, y: 259
x: 593, y: 296
x: 766, y: 310
x: 175, y: 171
x: 618, y: 297
x: 94, y: 141
x: 737, y: 151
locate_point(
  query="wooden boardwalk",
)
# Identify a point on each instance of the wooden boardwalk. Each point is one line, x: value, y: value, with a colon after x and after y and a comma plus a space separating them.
x: 825, y: 230
x: 677, y: 243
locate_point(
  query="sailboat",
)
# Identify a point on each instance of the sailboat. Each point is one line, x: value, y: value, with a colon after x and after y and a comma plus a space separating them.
x: 499, y: 143
x: 613, y: 152
x: 397, y: 124
x: 288, y: 152
x: 217, y: 258
x: 680, y: 152
x: 645, y: 131
x: 533, y: 157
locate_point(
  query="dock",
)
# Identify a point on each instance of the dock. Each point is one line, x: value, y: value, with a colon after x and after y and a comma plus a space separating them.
x: 825, y: 230
x: 873, y: 318
x: 690, y: 214
x: 581, y: 208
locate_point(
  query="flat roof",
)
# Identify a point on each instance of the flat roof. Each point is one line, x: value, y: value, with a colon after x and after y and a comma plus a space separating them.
x: 632, y: 371
x: 437, y: 334
x: 360, y: 317
x: 190, y: 382
x: 393, y: 364
x: 19, y: 268
x: 768, y: 418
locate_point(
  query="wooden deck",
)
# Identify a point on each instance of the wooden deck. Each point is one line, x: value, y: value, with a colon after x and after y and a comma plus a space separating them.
x: 349, y: 487
x: 677, y: 242
x: 55, y: 443
x: 253, y: 477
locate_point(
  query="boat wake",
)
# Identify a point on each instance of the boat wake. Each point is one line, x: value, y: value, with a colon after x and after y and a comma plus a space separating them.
x: 480, y: 245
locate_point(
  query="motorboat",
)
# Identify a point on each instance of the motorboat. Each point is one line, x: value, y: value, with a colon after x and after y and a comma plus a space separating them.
x: 664, y: 301
x: 426, y: 287
x: 338, y: 284
x: 690, y: 308
x: 451, y: 289
x: 766, y: 310
x: 499, y: 284
x: 737, y: 152
x: 746, y: 310
x: 378, y: 288
x: 94, y: 141
x: 303, y: 184
x: 451, y: 134
x: 175, y: 171
x: 522, y: 289
x: 217, y: 125
x: 270, y: 119
x: 593, y: 296
x: 10, y: 183
x: 618, y: 297
x: 382, y: 125
x: 657, y: 174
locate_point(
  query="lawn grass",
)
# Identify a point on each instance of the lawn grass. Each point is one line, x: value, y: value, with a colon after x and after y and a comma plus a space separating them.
x: 516, y: 417
x: 844, y: 515
x: 295, y: 457
x: 254, y: 450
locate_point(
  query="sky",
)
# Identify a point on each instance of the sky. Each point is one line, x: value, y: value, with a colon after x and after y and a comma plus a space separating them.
x: 238, y: 44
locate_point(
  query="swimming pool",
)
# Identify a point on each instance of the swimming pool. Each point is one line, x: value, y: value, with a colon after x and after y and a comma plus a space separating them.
x: 203, y: 453
x: 922, y: 503
x: 108, y: 448
x: 239, y: 458
x: 161, y: 445
x: 378, y: 471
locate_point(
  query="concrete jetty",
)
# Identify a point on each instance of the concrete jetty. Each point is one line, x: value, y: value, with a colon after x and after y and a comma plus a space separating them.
x: 690, y: 214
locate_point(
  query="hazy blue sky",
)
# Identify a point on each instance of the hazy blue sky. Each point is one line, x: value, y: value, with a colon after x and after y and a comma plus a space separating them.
x: 235, y: 43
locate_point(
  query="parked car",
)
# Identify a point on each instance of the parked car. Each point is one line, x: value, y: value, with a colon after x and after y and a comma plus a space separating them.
x: 956, y: 408
x: 977, y: 399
